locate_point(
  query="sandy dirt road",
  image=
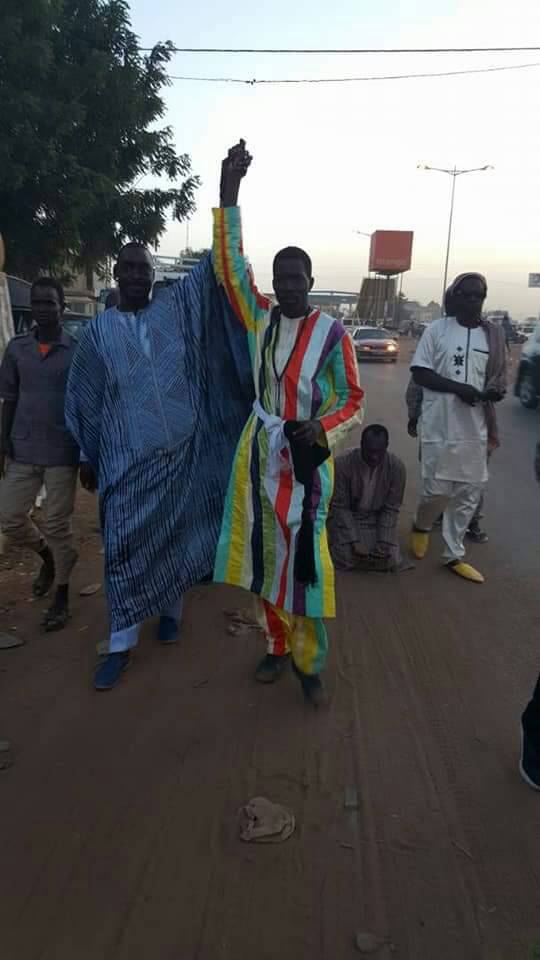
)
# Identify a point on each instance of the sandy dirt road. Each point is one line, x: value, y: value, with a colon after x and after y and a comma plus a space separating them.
x: 118, y: 836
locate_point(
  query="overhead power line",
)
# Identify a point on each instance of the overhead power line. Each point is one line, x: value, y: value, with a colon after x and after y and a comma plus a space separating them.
x: 366, y: 79
x: 369, y: 50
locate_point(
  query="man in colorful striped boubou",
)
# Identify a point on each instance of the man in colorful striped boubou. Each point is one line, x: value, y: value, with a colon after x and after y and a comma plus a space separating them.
x: 273, y: 536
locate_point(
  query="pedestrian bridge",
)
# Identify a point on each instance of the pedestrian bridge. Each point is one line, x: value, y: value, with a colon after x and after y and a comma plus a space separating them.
x: 332, y: 298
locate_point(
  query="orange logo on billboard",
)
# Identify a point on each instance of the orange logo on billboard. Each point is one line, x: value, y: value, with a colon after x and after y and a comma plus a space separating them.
x: 391, y: 251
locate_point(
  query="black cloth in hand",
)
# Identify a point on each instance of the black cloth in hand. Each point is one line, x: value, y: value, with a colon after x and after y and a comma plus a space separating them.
x: 306, y: 459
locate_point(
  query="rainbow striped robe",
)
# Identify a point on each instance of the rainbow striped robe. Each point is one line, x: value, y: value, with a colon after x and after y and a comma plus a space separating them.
x: 262, y: 514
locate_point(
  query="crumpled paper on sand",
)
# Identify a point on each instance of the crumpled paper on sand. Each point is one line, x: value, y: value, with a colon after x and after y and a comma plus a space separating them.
x: 262, y: 821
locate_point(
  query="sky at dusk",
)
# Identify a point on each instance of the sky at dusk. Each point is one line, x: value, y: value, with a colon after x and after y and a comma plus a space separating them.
x: 332, y: 159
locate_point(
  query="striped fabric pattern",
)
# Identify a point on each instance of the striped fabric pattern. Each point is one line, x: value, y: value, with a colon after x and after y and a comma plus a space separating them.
x: 262, y: 513
x: 157, y: 402
x: 305, y: 637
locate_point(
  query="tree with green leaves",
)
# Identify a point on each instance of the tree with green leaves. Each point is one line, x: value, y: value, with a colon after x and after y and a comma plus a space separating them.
x: 79, y: 131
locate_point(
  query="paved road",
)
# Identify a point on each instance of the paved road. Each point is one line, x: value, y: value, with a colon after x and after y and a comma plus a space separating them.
x: 118, y: 818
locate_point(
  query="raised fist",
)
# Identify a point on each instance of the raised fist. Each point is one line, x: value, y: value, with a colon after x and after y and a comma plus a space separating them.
x: 233, y: 169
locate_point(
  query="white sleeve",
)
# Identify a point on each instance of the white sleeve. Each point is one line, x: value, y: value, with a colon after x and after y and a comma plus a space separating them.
x: 425, y: 351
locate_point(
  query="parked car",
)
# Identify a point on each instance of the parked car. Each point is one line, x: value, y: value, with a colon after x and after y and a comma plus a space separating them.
x: 527, y: 386
x: 375, y: 343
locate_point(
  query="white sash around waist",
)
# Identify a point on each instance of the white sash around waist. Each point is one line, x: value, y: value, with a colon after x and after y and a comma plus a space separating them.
x: 277, y: 441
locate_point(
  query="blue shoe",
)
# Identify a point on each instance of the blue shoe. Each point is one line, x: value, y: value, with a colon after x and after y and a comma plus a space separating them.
x: 109, y: 672
x: 168, y: 630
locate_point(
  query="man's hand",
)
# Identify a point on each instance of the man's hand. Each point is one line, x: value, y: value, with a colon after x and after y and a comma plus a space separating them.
x: 310, y: 432
x: 87, y: 477
x: 233, y: 169
x: 468, y: 393
x: 412, y: 428
x: 493, y: 396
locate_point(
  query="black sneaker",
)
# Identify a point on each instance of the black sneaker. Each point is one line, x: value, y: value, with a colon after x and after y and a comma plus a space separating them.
x: 271, y: 667
x: 529, y: 761
x: 56, y: 617
x: 476, y: 534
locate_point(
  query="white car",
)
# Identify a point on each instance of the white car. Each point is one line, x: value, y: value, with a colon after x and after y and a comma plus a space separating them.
x: 375, y: 343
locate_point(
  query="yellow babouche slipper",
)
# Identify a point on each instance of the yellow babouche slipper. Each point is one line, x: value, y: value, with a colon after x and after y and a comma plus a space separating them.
x: 465, y: 570
x: 419, y: 543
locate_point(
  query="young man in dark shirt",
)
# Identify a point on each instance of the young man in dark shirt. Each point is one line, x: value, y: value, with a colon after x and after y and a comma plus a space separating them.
x: 36, y: 447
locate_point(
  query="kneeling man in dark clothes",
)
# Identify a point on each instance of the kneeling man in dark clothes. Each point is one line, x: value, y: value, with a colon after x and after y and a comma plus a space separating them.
x: 368, y: 494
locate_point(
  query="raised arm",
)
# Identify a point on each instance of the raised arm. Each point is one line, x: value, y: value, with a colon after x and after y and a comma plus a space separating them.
x: 230, y: 265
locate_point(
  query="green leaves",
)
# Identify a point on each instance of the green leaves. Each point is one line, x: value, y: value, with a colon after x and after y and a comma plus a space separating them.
x: 79, y: 107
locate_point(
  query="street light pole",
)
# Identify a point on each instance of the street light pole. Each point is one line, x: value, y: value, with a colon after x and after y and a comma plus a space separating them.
x: 449, y: 239
x: 454, y: 173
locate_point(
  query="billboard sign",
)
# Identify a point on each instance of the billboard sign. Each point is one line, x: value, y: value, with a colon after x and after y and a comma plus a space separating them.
x: 534, y: 279
x: 391, y: 251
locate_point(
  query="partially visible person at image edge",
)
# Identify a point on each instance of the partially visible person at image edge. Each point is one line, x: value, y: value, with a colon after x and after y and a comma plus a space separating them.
x: 529, y: 764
